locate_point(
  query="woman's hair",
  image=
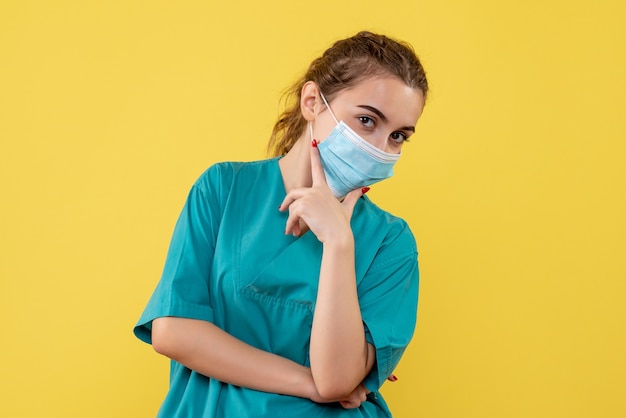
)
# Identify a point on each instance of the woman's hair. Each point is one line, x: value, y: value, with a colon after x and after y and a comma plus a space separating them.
x: 342, y: 66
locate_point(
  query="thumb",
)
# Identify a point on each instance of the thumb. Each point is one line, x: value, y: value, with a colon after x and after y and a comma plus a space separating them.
x: 351, y: 198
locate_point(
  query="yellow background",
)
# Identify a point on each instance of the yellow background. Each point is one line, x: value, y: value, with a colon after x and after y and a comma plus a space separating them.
x: 514, y: 186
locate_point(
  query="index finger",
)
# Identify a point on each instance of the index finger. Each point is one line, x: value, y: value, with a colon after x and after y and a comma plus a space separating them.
x: 317, y: 170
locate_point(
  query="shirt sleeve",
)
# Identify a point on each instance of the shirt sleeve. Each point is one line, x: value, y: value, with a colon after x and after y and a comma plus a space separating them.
x: 388, y: 299
x: 183, y: 290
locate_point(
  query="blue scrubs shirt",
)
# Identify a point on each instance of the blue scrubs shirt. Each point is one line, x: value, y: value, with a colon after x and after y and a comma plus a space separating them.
x: 231, y: 264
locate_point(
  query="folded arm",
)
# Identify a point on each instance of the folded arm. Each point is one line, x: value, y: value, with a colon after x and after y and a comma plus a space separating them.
x: 209, y: 350
x: 340, y: 355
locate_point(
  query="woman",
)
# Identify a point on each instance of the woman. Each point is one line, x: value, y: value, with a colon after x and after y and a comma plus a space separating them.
x: 286, y: 292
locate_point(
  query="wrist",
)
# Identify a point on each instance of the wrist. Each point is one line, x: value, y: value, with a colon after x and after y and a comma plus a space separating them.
x: 341, y: 241
x: 304, y: 386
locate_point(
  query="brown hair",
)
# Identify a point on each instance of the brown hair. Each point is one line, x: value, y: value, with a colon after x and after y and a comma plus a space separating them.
x: 342, y: 66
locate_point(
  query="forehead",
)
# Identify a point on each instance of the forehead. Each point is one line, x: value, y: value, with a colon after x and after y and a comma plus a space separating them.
x: 397, y: 101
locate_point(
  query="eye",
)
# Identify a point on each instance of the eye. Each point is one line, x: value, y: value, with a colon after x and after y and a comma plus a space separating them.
x: 399, y: 137
x: 366, y: 121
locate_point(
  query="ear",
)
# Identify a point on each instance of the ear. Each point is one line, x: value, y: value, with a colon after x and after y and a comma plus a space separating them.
x: 308, y: 100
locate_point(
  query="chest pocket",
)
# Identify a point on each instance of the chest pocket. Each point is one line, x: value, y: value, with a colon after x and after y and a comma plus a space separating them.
x: 278, y: 294
x: 289, y: 277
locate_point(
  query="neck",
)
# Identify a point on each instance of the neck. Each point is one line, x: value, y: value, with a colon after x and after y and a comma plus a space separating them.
x: 295, y: 166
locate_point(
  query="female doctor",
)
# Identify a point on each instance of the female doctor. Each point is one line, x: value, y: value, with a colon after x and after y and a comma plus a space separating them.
x: 286, y: 292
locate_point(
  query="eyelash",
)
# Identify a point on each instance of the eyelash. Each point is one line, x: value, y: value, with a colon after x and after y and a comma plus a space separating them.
x: 404, y: 137
x: 366, y: 119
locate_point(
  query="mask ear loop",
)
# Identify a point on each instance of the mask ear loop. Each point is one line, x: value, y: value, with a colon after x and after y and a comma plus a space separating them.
x: 328, y: 106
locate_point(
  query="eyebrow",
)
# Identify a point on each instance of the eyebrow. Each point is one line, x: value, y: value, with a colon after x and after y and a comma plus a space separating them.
x: 382, y: 116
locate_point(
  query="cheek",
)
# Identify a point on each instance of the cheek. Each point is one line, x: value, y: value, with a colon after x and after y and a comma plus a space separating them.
x: 321, y: 129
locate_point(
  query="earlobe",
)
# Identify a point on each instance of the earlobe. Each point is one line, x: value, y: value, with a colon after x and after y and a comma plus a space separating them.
x: 308, y: 100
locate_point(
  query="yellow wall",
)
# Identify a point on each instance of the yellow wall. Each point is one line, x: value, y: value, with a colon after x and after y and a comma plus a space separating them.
x: 514, y: 187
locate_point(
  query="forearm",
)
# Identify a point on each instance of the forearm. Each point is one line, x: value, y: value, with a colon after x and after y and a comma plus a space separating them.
x: 340, y: 356
x: 207, y: 349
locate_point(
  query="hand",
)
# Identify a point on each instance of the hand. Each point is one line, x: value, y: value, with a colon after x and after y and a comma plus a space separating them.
x: 356, y: 398
x: 317, y: 208
x: 359, y: 395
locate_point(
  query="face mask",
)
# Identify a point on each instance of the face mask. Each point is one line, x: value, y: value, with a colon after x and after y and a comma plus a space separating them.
x: 349, y: 161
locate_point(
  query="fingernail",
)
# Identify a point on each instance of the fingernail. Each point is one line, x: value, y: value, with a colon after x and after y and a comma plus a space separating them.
x: 393, y: 378
x: 314, y: 143
x: 365, y: 190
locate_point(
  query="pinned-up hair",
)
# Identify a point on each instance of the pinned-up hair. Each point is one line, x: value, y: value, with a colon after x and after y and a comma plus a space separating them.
x: 342, y: 66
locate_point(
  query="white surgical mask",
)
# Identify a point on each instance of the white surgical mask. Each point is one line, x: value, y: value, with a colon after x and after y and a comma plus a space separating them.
x: 349, y: 161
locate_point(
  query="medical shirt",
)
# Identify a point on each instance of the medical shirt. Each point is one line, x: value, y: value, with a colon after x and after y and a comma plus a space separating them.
x: 230, y: 263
